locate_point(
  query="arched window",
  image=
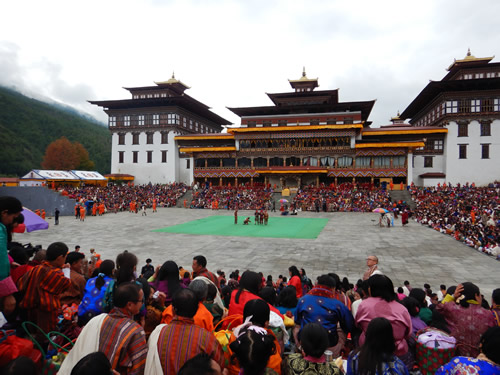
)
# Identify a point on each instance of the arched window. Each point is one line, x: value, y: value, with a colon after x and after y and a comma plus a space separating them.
x: 244, y: 162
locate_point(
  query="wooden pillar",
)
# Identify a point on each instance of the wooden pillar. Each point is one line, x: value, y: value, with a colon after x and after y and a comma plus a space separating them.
x: 301, y: 159
x: 284, y: 162
x: 236, y: 162
x: 354, y: 180
x: 251, y: 180
x: 220, y: 162
x: 372, y: 180
x: 391, y: 164
x: 336, y: 182
x: 236, y: 182
x: 220, y: 181
x: 267, y: 161
x: 317, y: 181
x: 206, y: 164
x: 251, y: 162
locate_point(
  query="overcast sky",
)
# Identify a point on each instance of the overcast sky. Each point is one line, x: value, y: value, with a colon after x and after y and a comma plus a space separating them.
x: 232, y: 52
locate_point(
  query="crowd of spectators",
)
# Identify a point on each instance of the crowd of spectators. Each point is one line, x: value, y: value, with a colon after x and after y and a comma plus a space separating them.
x: 346, y: 197
x: 466, y: 212
x: 119, y: 197
x: 171, y: 320
x: 230, y: 197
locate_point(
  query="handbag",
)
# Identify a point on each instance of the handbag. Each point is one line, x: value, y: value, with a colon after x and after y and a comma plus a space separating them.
x: 12, y: 346
x: 224, y: 335
x: 434, y: 349
x: 53, y: 357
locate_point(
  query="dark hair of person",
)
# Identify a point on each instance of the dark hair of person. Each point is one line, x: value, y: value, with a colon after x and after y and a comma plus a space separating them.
x: 294, y: 271
x: 336, y: 278
x: 495, y: 296
x: 226, y: 295
x: 92, y: 364
x: 73, y: 257
x: 148, y: 260
x: 125, y: 293
x: 211, y: 292
x: 442, y: 286
x: 406, y: 283
x: 20, y: 366
x: 253, y: 351
x: 10, y: 204
x: 55, y: 250
x: 106, y: 268
x: 270, y: 278
x: 345, y: 284
x: 288, y: 297
x: 303, y: 271
x: 427, y: 286
x: 451, y: 290
x: 381, y: 286
x: 363, y: 288
x: 200, y: 364
x: 400, y: 289
x: 250, y: 281
x: 378, y: 347
x: 438, y: 321
x: 411, y: 305
x: 259, y: 310
x: 268, y: 294
x: 19, y: 254
x: 490, y: 344
x: 169, y: 271
x: 185, y: 303
x: 326, y: 280
x: 125, y: 265
x: 314, y: 339
x: 201, y: 260
x: 470, y: 291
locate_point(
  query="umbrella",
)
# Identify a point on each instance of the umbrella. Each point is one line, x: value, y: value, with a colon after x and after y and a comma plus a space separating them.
x: 283, y: 200
x: 380, y: 210
x: 33, y: 221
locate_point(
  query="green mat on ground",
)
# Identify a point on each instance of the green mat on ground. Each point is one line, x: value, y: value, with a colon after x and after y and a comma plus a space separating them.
x: 278, y: 227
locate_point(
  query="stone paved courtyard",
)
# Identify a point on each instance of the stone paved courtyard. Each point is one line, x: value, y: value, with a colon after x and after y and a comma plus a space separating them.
x: 413, y: 253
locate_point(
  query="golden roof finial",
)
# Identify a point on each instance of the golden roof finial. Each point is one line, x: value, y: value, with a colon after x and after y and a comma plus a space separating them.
x: 468, y: 52
x: 303, y: 71
x: 173, y: 74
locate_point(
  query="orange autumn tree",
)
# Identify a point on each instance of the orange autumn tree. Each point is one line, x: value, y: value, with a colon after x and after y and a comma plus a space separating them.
x: 64, y: 155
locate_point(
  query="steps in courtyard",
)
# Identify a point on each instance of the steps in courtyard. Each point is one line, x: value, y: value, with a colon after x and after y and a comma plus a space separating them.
x: 188, y: 196
x: 402, y: 195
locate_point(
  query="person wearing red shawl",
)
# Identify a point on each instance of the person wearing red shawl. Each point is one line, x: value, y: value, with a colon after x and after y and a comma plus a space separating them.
x: 295, y: 280
x: 249, y: 286
x: 199, y: 269
x: 42, y: 287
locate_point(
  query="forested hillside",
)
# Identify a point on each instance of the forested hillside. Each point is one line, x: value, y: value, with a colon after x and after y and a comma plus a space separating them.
x: 27, y: 126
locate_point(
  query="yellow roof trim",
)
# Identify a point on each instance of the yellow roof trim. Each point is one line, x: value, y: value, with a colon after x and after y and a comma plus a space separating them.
x: 194, y: 138
x: 399, y: 144
x: 416, y: 131
x: 293, y: 171
x: 205, y: 149
x: 295, y: 128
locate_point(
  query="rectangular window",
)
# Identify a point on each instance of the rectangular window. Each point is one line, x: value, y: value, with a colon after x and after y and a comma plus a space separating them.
x: 173, y: 119
x: 348, y: 120
x: 135, y: 156
x: 135, y: 138
x: 331, y: 121
x: 438, y: 144
x: 164, y: 138
x: 126, y: 120
x: 428, y: 161
x: 282, y: 122
x: 149, y: 138
x: 251, y: 124
x: 121, y: 139
x: 267, y: 123
x: 496, y: 105
x: 463, y: 130
x: 485, y: 151
x: 149, y: 156
x: 112, y: 120
x: 156, y: 119
x: 464, y: 106
x: 191, y: 124
x: 188, y: 163
x: 462, y: 151
x: 164, y: 156
x: 184, y: 122
x: 452, y: 106
x: 120, y: 156
x: 479, y: 75
x: 475, y: 105
x: 140, y: 120
x: 314, y: 121
x: 485, y: 129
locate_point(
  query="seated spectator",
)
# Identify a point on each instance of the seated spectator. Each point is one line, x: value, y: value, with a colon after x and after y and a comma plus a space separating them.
x: 74, y: 293
x: 166, y: 280
x: 172, y: 345
x: 93, y: 364
x: 200, y: 364
x: 313, y: 343
x: 93, y: 297
x: 216, y: 311
x: 467, y: 320
x: 287, y: 301
x: 252, y: 349
x: 20, y: 366
x: 486, y: 363
x: 376, y: 355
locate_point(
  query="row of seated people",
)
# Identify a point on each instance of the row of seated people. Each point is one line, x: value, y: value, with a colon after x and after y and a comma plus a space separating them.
x: 230, y: 198
x: 157, y: 322
x: 344, y: 198
x: 119, y: 197
x: 467, y: 212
